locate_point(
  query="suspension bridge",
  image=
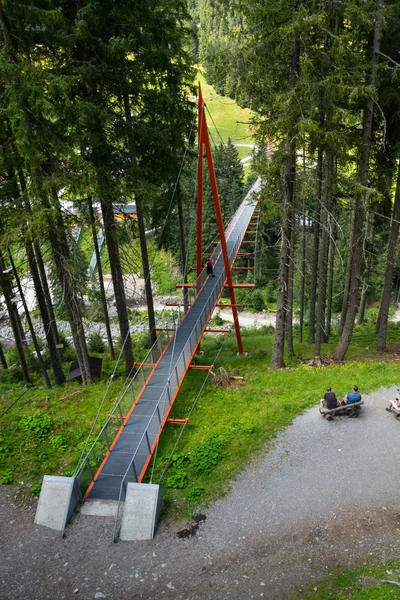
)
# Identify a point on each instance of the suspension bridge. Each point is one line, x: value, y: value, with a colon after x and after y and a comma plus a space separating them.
x: 125, y: 445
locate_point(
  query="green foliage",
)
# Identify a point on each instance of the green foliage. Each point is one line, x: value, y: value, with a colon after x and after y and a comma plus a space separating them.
x: 257, y: 301
x: 68, y: 348
x: 36, y: 489
x: 96, y: 344
x: 217, y: 319
x: 206, y: 456
x: 195, y: 492
x: 4, y: 447
x: 177, y: 481
x: 6, y: 476
x: 164, y: 275
x: 59, y: 442
x: 249, y: 428
x: 180, y: 460
x: 270, y: 292
x: 38, y: 425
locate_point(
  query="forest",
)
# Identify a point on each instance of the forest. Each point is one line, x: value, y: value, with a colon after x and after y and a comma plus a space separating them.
x: 98, y: 209
x: 98, y: 110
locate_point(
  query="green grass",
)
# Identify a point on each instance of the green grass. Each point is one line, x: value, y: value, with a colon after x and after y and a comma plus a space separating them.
x: 231, y: 120
x: 227, y: 427
x: 44, y: 432
x: 357, y: 584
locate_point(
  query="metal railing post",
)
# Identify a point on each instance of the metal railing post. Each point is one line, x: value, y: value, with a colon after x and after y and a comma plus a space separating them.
x: 120, y: 413
x: 148, y: 442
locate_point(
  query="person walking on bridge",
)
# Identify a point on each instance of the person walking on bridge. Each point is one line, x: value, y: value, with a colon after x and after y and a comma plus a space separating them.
x: 210, y: 268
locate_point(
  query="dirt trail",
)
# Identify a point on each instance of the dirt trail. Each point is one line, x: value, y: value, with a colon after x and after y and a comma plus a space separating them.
x: 324, y: 498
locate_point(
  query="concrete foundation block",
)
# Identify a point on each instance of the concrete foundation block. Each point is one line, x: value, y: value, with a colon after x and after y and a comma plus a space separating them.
x: 58, y: 499
x: 143, y: 504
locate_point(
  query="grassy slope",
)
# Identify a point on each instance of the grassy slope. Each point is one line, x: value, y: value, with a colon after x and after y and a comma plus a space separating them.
x: 242, y: 420
x: 231, y: 120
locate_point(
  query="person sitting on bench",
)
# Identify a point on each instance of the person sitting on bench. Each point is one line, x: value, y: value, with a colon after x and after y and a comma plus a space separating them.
x: 352, y: 397
x: 393, y: 404
x: 329, y: 400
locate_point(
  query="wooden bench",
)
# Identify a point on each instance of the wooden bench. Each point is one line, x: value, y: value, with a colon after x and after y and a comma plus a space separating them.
x: 349, y: 409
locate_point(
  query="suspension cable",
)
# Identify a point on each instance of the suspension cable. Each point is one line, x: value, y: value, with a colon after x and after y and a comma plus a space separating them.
x: 128, y: 376
x: 190, y: 412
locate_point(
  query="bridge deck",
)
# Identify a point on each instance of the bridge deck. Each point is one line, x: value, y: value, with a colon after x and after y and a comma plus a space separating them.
x: 132, y: 451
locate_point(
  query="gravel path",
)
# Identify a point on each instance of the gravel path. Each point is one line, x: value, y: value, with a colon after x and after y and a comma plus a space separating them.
x: 326, y: 497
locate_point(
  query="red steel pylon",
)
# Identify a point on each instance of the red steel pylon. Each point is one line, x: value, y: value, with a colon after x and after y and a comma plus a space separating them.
x: 204, y: 144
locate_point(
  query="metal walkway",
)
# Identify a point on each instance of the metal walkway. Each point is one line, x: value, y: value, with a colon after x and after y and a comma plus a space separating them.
x: 132, y: 449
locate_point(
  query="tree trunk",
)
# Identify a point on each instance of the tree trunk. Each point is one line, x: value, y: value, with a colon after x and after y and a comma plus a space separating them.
x: 281, y: 305
x: 323, y: 261
x: 346, y: 290
x: 303, y: 278
x: 364, y: 288
x: 118, y: 283
x: 359, y: 206
x: 18, y: 321
x: 3, y: 360
x: 67, y: 277
x: 54, y: 355
x: 49, y: 323
x: 49, y: 319
x: 182, y: 246
x: 30, y: 324
x: 303, y: 259
x: 101, y: 280
x: 388, y: 282
x: 331, y: 264
x: 289, y: 308
x: 314, y: 270
x: 141, y: 224
x: 288, y: 191
x: 7, y: 293
x: 279, y: 339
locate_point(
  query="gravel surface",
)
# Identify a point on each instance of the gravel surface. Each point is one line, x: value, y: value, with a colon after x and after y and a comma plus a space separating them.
x: 325, y: 498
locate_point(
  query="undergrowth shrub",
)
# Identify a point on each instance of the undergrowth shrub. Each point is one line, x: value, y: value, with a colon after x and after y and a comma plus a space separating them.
x: 6, y: 476
x: 178, y: 481
x: 96, y: 344
x: 59, y: 442
x: 4, y: 447
x: 9, y: 375
x: 195, y: 492
x: 37, y: 425
x: 257, y: 301
x: 36, y: 489
x: 180, y: 460
x: 207, y: 455
x: 249, y: 428
x: 97, y: 452
x: 218, y: 320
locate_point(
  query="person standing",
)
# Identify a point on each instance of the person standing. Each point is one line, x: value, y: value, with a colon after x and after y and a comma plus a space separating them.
x: 210, y: 268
